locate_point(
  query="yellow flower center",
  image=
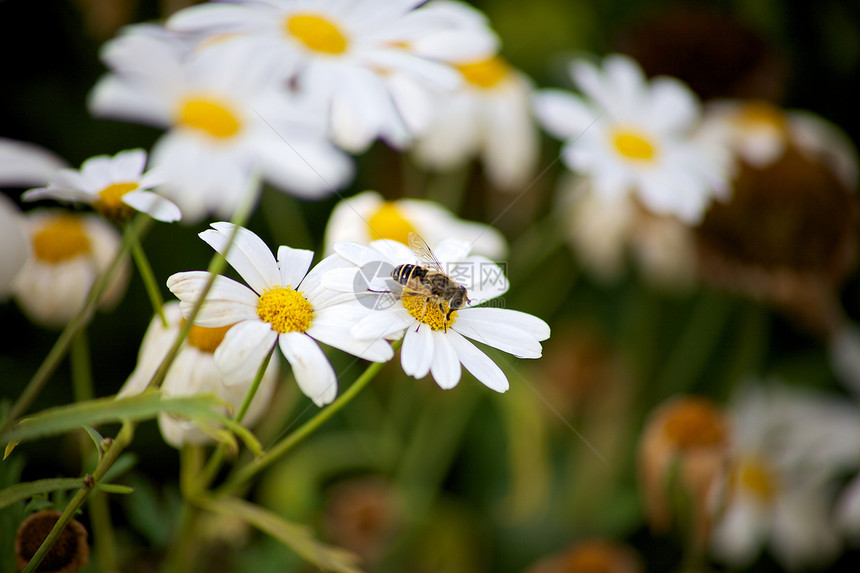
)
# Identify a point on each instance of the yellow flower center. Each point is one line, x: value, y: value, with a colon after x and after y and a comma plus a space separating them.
x: 755, y: 477
x: 207, y: 339
x: 287, y: 310
x: 633, y: 144
x: 209, y: 116
x: 485, y: 73
x: 316, y: 33
x: 60, y: 239
x: 110, y: 204
x: 593, y: 557
x: 389, y: 223
x: 762, y: 115
x: 696, y: 423
x: 429, y: 312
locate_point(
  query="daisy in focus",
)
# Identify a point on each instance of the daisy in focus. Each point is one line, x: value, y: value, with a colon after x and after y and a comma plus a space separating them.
x: 115, y: 186
x: 193, y: 372
x: 367, y: 217
x: 283, y: 304
x: 69, y: 251
x: 226, y: 116
x: 790, y: 450
x: 631, y: 136
x: 342, y: 54
x: 489, y: 116
x: 436, y: 329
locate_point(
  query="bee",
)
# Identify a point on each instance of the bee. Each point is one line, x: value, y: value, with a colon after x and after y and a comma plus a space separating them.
x: 429, y: 280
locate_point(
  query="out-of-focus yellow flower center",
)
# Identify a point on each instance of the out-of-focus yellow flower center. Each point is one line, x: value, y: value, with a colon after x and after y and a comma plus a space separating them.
x: 285, y: 309
x: 696, y: 423
x: 207, y: 339
x: 389, y: 223
x: 60, y: 239
x: 762, y: 115
x: 755, y: 477
x: 429, y: 312
x: 592, y: 557
x: 110, y: 204
x: 485, y: 73
x: 316, y: 33
x: 209, y: 116
x: 634, y: 145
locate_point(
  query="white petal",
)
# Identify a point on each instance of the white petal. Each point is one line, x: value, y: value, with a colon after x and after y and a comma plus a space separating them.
x: 333, y: 326
x: 384, y: 324
x: 416, y: 355
x: 562, y: 114
x: 738, y: 536
x: 294, y: 265
x: 127, y: 166
x: 499, y: 335
x: 528, y: 323
x: 314, y: 373
x: 228, y: 301
x: 74, y: 195
x: 154, y: 205
x: 446, y: 366
x: 23, y: 164
x: 250, y: 256
x: 479, y: 364
x: 243, y: 349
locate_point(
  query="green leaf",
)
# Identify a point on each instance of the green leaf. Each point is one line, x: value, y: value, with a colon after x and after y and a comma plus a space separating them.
x: 27, y: 490
x: 94, y: 436
x: 62, y: 419
x: 114, y: 488
x: 297, y: 537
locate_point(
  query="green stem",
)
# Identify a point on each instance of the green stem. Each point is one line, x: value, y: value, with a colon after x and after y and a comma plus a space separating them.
x: 111, y: 453
x: 180, y: 550
x: 61, y: 346
x: 243, y: 475
x: 82, y: 383
x: 147, y: 276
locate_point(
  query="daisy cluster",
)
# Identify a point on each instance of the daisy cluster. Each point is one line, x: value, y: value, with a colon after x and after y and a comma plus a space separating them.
x: 729, y: 207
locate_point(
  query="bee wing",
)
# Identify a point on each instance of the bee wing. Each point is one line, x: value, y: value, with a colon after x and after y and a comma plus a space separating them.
x: 420, y: 247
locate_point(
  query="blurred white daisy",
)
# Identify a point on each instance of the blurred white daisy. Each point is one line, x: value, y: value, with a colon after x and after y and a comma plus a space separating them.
x: 488, y: 116
x: 790, y: 447
x: 341, y: 53
x: 606, y: 232
x: 193, y: 372
x: 14, y: 245
x: 435, y: 336
x: 115, y: 186
x: 759, y: 133
x: 284, y: 304
x: 227, y: 116
x: 69, y: 251
x: 635, y: 136
x: 367, y: 217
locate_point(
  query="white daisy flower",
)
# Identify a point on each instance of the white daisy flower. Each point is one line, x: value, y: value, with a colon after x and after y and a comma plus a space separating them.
x: 759, y: 133
x: 226, y: 115
x: 343, y: 52
x: 69, y: 251
x: 193, y: 372
x: 489, y: 115
x: 115, y: 186
x: 284, y: 304
x: 367, y: 217
x: 14, y: 245
x: 435, y: 336
x: 790, y: 447
x: 632, y: 136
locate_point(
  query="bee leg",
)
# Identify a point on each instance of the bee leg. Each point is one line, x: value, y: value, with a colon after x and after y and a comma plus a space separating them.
x: 379, y: 291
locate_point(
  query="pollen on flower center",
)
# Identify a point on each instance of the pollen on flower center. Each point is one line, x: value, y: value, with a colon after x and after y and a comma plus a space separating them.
x: 61, y: 239
x: 429, y: 312
x: 110, y: 202
x: 755, y: 477
x: 210, y: 116
x: 207, y: 339
x: 389, y: 223
x: 760, y: 114
x: 634, y: 145
x: 695, y: 423
x: 485, y: 73
x: 285, y: 309
x: 316, y: 33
